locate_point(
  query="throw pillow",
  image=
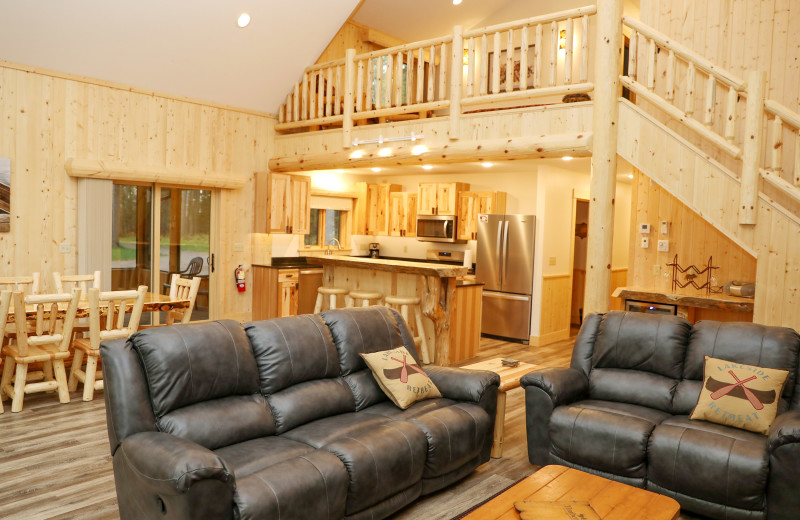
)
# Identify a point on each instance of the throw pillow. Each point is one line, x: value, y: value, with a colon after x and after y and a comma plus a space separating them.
x: 742, y: 396
x: 400, y: 377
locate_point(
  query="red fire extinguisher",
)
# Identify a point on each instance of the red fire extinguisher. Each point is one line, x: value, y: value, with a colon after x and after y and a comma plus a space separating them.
x: 239, y: 274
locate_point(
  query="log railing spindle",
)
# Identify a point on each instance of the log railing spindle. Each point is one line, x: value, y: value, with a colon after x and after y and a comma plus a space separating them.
x: 386, y: 93
x: 509, y: 79
x: 328, y: 94
x: 523, y: 58
x: 304, y: 114
x: 711, y: 99
x: 670, y: 93
x: 471, y: 67
x: 443, y: 70
x: 632, y: 58
x: 651, y: 64
x: 409, y: 76
x: 379, y: 83
x: 420, y: 74
x: 690, y: 84
x: 431, y: 73
x: 349, y: 94
x: 496, y: 64
x: 483, y: 82
x: 730, y: 114
x: 568, y: 52
x: 296, y: 103
x: 584, y: 48
x: 776, y: 154
x: 359, y: 106
x: 537, y: 58
x: 553, y: 52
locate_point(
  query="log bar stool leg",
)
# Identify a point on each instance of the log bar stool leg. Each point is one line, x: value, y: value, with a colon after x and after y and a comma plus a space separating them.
x: 404, y: 303
x: 365, y: 296
x: 328, y: 291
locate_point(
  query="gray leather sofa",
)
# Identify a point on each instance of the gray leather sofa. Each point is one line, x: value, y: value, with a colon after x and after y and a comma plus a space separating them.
x: 282, y: 419
x: 621, y: 411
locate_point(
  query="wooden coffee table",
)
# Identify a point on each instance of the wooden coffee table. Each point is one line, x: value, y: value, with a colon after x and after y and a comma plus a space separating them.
x: 611, y: 500
x: 509, y: 379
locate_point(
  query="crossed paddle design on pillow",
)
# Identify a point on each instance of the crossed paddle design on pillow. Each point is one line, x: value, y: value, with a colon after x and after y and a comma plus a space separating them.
x: 756, y: 398
x: 401, y: 372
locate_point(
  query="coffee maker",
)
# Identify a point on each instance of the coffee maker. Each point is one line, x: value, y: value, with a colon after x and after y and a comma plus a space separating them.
x: 374, y: 250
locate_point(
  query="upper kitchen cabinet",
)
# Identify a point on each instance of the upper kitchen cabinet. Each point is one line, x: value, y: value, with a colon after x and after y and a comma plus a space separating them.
x: 403, y: 214
x: 282, y: 203
x: 473, y: 203
x: 372, y: 208
x: 439, y: 198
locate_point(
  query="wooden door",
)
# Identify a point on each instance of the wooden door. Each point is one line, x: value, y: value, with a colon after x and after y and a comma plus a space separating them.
x: 426, y: 203
x: 301, y: 201
x: 280, y: 202
x: 467, y: 218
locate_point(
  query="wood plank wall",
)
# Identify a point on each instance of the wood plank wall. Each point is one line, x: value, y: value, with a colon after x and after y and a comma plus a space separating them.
x: 48, y: 117
x: 354, y: 35
x: 555, y: 316
x: 690, y: 237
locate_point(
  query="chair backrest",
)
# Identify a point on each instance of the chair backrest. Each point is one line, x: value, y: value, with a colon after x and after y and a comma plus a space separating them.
x: 194, y: 267
x: 26, y: 284
x: 67, y: 282
x: 48, y: 316
x: 115, y: 303
x: 5, y: 304
x: 184, y: 289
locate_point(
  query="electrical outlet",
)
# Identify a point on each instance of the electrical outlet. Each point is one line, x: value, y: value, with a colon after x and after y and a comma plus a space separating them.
x: 552, y: 260
x: 645, y: 242
x: 238, y: 247
x: 656, y: 269
x: 64, y: 247
x: 362, y: 247
x: 405, y: 249
x: 663, y: 245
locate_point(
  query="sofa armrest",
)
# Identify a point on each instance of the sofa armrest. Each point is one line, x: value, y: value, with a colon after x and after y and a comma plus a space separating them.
x: 546, y: 389
x: 461, y: 384
x: 171, y: 465
x: 562, y: 385
x: 783, y: 501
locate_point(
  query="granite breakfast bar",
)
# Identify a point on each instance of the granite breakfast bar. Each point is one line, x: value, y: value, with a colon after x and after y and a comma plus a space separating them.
x: 433, y: 283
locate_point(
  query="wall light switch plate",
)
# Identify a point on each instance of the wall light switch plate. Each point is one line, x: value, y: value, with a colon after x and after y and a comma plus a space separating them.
x: 645, y: 242
x: 238, y: 247
x: 663, y: 245
x: 656, y: 269
x: 644, y: 229
x: 551, y: 260
x: 665, y: 227
x: 64, y: 247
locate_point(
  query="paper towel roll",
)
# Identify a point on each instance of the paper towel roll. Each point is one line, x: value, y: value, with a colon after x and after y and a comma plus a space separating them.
x: 468, y: 258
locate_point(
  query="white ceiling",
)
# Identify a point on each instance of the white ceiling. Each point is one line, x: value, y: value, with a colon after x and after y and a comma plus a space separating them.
x: 190, y: 48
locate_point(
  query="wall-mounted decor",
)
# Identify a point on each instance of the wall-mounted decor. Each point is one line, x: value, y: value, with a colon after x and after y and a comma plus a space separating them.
x: 692, y: 274
x: 516, y: 72
x: 5, y: 194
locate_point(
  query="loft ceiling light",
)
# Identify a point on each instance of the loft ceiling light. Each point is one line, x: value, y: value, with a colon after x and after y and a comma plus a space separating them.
x: 487, y: 164
x: 357, y: 154
x: 243, y: 20
x: 376, y: 170
x: 385, y: 152
x: 456, y: 2
x: 419, y: 149
x: 427, y: 166
x: 566, y: 158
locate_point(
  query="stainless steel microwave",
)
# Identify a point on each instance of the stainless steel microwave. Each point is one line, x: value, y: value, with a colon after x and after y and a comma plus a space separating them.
x: 437, y: 228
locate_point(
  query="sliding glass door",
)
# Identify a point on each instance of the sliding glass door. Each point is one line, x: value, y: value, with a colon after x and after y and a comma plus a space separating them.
x: 152, y: 242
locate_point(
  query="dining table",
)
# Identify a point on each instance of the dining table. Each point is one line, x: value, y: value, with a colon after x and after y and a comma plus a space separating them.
x: 153, y: 302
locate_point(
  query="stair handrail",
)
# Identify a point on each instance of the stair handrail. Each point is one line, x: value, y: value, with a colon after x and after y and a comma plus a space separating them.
x: 780, y: 120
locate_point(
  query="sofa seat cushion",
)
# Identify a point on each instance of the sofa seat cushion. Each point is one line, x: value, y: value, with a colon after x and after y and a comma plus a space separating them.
x: 326, y: 430
x: 605, y: 435
x: 313, y: 485
x: 710, y: 462
x: 381, y: 461
x: 246, y: 458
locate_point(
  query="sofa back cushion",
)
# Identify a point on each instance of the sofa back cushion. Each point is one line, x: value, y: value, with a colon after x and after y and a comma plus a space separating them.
x: 365, y: 330
x: 632, y: 357
x: 744, y: 343
x: 203, y: 374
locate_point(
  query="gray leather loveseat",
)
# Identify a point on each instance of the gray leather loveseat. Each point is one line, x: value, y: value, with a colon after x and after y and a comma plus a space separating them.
x: 282, y: 419
x: 621, y: 411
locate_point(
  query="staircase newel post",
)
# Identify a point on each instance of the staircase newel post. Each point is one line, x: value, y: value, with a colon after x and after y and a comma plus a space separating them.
x: 456, y: 81
x: 753, y: 144
x: 603, y: 183
x: 349, y: 97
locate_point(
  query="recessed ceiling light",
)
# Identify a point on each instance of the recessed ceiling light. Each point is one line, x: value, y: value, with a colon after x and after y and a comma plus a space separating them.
x: 456, y: 2
x: 376, y: 170
x: 487, y: 164
x: 243, y: 20
x: 385, y: 152
x: 566, y: 158
x: 427, y: 166
x: 357, y: 154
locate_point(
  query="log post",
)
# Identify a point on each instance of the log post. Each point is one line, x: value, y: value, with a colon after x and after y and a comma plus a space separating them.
x: 751, y: 150
x: 456, y: 81
x: 608, y: 66
x: 347, y: 112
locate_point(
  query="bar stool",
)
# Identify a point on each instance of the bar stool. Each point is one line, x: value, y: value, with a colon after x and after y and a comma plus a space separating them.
x: 404, y: 303
x: 328, y: 291
x: 366, y: 296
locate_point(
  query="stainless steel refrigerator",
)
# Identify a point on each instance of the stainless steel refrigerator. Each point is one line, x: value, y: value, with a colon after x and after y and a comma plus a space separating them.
x: 505, y: 264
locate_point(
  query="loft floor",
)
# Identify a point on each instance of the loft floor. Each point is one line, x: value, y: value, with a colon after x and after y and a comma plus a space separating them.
x: 56, y: 463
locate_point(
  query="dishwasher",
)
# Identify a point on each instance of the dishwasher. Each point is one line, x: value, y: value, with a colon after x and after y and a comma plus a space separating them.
x: 309, y: 280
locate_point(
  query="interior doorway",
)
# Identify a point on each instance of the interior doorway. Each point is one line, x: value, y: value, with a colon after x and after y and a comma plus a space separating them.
x: 579, y: 264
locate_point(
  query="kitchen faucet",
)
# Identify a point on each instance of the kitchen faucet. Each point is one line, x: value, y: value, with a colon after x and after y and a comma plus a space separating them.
x: 329, y: 245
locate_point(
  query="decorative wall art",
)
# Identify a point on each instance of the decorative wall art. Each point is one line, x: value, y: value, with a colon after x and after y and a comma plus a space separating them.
x: 516, y: 73
x: 5, y: 194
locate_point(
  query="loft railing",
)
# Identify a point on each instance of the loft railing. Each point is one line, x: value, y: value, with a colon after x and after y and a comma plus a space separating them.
x: 518, y: 61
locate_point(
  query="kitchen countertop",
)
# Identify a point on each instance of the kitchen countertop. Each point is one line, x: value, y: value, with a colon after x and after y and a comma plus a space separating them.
x: 383, y: 264
x: 288, y: 262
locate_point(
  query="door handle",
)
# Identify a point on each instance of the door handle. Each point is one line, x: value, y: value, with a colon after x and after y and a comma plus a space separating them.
x: 505, y: 250
x: 497, y: 253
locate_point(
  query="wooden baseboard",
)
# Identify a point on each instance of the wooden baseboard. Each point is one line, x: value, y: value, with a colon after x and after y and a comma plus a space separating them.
x: 550, y: 337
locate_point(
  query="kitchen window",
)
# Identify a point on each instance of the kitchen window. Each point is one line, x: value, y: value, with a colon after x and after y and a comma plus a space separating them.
x: 329, y: 219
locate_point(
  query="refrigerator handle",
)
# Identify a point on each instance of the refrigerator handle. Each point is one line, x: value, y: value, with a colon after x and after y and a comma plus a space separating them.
x: 505, y: 251
x: 497, y: 254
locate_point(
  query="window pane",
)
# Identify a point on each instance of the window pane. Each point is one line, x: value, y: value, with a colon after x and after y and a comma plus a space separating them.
x: 332, y: 219
x: 131, y: 236
x: 312, y: 238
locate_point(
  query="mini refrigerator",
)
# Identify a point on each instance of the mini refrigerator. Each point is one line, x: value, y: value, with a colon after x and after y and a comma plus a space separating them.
x: 504, y: 263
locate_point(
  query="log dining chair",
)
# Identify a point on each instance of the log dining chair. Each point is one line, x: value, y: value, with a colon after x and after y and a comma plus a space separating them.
x: 114, y: 303
x: 67, y: 282
x: 26, y: 284
x: 182, y: 289
x: 47, y: 342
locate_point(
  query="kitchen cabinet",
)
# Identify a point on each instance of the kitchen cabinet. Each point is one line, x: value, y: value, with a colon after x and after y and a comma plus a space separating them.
x: 440, y: 198
x: 283, y: 202
x: 275, y: 292
x: 473, y: 203
x: 403, y: 214
x: 372, y: 208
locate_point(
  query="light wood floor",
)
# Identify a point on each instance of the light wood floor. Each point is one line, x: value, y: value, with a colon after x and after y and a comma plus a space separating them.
x: 55, y: 460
